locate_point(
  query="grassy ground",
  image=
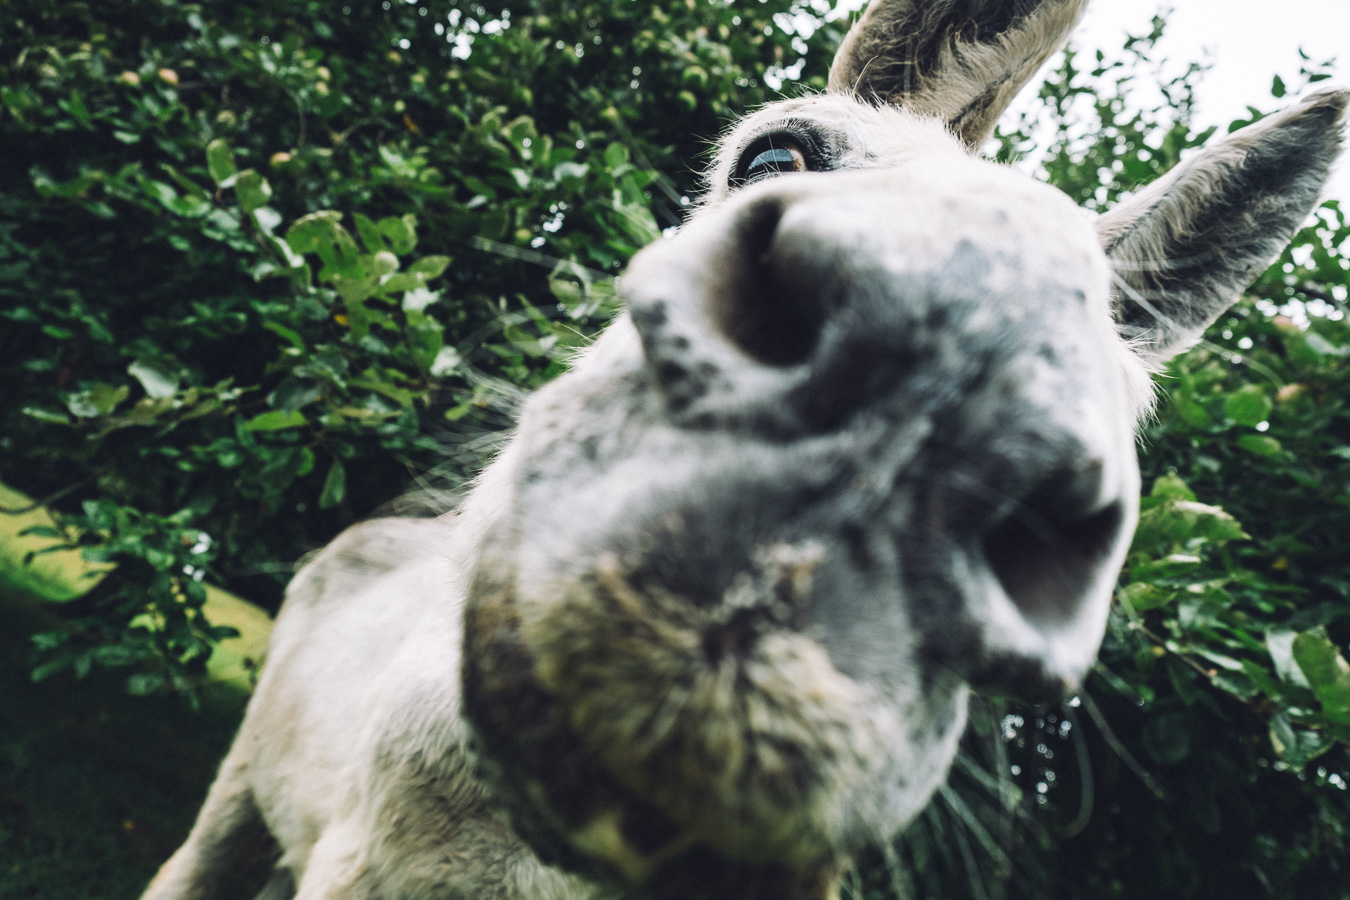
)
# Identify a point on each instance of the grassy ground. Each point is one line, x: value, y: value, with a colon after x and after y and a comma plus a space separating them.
x: 96, y: 788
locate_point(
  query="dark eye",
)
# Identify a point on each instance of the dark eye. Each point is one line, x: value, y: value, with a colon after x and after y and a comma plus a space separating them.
x: 774, y: 154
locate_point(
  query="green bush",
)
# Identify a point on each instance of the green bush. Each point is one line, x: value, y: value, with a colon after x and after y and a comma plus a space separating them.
x: 264, y: 268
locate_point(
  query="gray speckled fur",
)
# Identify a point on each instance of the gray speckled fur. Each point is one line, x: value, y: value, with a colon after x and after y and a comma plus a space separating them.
x: 706, y: 627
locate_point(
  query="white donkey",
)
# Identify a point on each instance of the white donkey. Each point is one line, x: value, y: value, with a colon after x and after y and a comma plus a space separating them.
x: 864, y: 438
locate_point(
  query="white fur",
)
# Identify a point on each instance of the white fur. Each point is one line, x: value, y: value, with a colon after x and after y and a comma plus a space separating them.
x: 354, y: 753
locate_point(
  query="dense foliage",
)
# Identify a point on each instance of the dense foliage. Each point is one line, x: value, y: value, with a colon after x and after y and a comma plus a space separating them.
x: 264, y: 268
x: 235, y: 240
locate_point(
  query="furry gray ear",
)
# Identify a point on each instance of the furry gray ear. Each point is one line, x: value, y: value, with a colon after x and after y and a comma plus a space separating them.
x: 1183, y: 248
x: 959, y: 60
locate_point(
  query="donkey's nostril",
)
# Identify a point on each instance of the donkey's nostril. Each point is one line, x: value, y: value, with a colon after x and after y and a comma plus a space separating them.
x: 775, y: 311
x: 756, y: 226
x: 1049, y: 552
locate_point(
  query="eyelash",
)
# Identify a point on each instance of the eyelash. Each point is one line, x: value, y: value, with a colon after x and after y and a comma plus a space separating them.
x: 778, y: 152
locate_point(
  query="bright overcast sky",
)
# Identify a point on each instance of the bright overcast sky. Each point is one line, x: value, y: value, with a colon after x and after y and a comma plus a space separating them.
x: 1248, y: 42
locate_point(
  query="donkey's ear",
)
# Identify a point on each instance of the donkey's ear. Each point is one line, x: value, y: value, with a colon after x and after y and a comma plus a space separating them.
x: 1183, y: 248
x: 960, y: 60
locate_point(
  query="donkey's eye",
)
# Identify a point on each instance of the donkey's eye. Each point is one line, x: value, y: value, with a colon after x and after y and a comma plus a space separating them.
x: 774, y: 154
x: 789, y: 158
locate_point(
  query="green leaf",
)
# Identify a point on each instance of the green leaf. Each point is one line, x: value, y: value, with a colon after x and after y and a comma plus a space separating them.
x: 294, y: 393
x: 1297, y: 746
x: 426, y: 343
x: 1263, y: 682
x: 75, y: 106
x: 220, y: 161
x: 276, y: 420
x: 252, y: 190
x: 403, y: 281
x: 1261, y: 445
x: 310, y: 232
x: 1171, y: 487
x: 48, y: 669
x: 1236, y: 683
x: 369, y: 233
x: 1280, y: 644
x: 353, y: 290
x: 1143, y: 596
x: 1248, y: 405
x: 1321, y: 345
x: 334, y: 486
x: 570, y: 172
x: 45, y: 415
x: 160, y: 191
x: 616, y: 156
x: 340, y: 256
x: 1210, y: 522
x: 1185, y: 681
x: 45, y: 531
x: 1327, y: 672
x: 306, y: 463
x: 1174, y: 529
x: 98, y: 401
x: 290, y: 335
x: 159, y: 381
x: 400, y: 396
x: 401, y: 232
x: 1193, y: 413
x: 266, y: 218
x: 430, y: 267
x: 359, y: 316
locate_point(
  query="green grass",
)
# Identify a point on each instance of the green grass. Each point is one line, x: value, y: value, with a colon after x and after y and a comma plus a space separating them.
x: 56, y: 576
x: 96, y: 788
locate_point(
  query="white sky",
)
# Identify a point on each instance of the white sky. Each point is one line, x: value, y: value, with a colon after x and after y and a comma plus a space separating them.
x: 1248, y: 42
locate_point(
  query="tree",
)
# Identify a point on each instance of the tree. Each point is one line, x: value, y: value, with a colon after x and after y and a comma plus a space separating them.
x: 263, y: 269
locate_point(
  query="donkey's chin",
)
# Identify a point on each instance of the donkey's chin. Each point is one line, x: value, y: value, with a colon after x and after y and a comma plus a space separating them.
x: 718, y: 726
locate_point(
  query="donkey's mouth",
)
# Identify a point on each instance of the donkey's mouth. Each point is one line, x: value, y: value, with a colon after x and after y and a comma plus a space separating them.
x: 710, y: 732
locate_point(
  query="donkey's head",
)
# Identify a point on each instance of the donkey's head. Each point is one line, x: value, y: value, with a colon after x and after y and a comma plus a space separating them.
x: 864, y: 438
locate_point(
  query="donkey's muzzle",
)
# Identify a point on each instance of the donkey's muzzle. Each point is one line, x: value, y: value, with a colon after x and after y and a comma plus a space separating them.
x: 955, y: 345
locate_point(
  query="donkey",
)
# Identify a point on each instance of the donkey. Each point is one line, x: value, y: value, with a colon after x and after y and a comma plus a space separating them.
x: 862, y: 441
